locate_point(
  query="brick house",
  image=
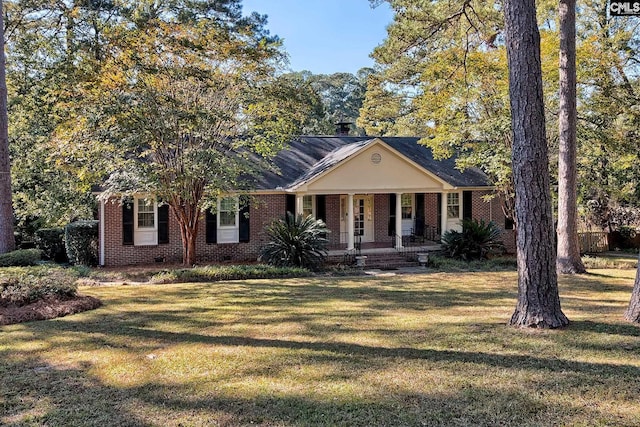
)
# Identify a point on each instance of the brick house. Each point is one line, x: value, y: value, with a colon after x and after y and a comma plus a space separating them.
x: 369, y: 191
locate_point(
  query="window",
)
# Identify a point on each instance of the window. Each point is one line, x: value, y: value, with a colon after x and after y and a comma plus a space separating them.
x: 228, y: 212
x: 453, y: 205
x: 508, y: 223
x: 406, y: 201
x: 307, y: 206
x: 146, y: 214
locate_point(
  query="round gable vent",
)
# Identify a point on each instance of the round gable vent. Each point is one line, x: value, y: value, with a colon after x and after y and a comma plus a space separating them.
x: 376, y: 158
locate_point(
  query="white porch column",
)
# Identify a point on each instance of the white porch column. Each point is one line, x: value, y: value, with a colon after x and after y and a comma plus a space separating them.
x: 443, y: 221
x: 398, y: 220
x: 299, y: 204
x: 350, y: 224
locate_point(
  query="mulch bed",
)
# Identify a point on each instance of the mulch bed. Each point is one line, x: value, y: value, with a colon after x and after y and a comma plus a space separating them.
x: 48, y: 308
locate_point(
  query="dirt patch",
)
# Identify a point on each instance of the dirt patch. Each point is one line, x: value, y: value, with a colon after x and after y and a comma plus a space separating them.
x: 48, y: 308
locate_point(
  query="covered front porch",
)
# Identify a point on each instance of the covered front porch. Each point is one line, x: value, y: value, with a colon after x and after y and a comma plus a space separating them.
x: 372, y: 196
x: 365, y: 221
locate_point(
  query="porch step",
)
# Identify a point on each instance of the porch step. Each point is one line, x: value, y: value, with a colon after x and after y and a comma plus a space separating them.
x: 390, y: 261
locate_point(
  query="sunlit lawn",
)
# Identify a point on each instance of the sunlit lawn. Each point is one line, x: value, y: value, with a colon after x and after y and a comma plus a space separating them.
x: 430, y: 349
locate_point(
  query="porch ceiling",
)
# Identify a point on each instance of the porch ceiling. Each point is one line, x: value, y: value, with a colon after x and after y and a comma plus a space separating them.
x: 374, y: 168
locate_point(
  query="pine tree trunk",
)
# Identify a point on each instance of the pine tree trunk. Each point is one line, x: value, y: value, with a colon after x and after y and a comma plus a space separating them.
x: 568, y: 260
x: 7, y: 239
x: 633, y: 311
x: 538, y: 299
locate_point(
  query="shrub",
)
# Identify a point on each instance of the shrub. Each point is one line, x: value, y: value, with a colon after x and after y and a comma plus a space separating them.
x: 477, y: 240
x: 296, y: 241
x: 24, y: 286
x: 51, y: 242
x: 21, y: 257
x: 215, y: 273
x: 451, y: 265
x: 81, y: 241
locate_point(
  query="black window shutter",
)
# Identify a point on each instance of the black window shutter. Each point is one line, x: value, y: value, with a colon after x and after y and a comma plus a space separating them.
x: 163, y: 224
x: 392, y: 214
x: 291, y: 204
x: 420, y: 218
x: 211, y: 225
x: 127, y: 223
x: 321, y: 208
x: 508, y: 223
x: 245, y: 224
x: 467, y: 204
x: 321, y: 211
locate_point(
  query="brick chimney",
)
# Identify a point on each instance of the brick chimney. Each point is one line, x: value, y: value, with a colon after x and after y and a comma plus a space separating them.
x: 343, y: 128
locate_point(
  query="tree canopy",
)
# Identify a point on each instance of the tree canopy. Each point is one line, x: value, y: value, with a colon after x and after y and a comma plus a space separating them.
x: 175, y: 99
x: 443, y: 76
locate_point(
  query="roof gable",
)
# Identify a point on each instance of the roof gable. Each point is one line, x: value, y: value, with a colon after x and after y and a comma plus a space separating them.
x: 367, y: 167
x: 310, y: 159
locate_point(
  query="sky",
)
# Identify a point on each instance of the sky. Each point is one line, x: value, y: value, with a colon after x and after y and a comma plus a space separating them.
x: 325, y: 36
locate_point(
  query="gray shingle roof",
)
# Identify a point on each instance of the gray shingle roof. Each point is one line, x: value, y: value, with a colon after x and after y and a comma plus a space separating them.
x: 309, y: 156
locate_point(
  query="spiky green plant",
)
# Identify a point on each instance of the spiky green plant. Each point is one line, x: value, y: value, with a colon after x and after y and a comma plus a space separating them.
x: 296, y: 241
x: 476, y: 240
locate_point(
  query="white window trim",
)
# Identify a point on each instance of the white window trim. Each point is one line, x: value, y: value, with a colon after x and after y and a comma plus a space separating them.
x: 412, y: 206
x: 237, y: 209
x: 313, y: 204
x: 228, y: 233
x: 459, y: 206
x: 145, y: 236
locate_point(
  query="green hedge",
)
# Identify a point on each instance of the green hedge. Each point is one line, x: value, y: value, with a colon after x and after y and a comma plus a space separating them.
x: 21, y: 257
x: 215, y: 273
x: 51, y: 242
x: 81, y: 241
x: 23, y: 286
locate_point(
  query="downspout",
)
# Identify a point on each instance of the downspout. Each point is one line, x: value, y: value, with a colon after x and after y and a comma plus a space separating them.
x: 101, y: 255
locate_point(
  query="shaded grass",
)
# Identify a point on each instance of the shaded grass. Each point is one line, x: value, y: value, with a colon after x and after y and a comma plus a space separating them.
x: 430, y: 349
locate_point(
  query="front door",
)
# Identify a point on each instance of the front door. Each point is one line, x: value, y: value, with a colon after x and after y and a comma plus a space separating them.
x: 407, y: 209
x: 362, y: 218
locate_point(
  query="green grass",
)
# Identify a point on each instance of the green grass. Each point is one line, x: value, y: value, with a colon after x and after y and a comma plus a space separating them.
x: 430, y: 349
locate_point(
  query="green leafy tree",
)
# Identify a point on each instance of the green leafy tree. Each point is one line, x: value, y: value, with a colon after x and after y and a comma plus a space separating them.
x: 187, y: 107
x: 180, y: 99
x: 56, y: 48
x: 608, y: 117
x: 443, y: 76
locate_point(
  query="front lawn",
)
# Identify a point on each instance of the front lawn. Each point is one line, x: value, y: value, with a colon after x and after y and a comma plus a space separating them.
x: 412, y: 350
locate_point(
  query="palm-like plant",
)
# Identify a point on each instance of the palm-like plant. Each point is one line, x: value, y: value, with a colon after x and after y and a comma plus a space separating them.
x: 476, y: 240
x: 296, y: 241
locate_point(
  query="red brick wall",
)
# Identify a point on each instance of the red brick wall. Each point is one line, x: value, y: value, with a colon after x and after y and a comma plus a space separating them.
x: 263, y: 210
x: 431, y: 210
x: 333, y: 218
x: 381, y: 218
x: 491, y: 210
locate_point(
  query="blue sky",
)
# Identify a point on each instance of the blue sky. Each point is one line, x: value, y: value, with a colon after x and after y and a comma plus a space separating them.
x: 325, y: 36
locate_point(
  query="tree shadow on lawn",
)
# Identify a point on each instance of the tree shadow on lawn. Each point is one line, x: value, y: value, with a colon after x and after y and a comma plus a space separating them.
x: 37, y: 393
x: 96, y: 333
x: 629, y: 329
x: 380, y: 292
